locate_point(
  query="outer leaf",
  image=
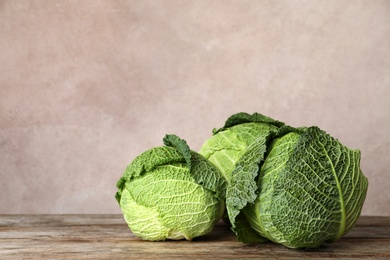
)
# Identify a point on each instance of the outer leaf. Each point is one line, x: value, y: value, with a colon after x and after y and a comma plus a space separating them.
x: 242, y: 117
x: 207, y: 175
x: 243, y: 187
x: 316, y: 195
x: 180, y: 145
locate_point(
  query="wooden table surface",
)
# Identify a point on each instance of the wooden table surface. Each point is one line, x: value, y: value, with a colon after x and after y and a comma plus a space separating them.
x: 108, y: 237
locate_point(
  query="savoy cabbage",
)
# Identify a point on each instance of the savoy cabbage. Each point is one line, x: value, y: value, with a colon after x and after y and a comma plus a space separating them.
x: 171, y: 192
x: 298, y: 187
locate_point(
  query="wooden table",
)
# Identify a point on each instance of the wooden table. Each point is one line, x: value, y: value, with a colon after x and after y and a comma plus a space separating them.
x: 108, y: 237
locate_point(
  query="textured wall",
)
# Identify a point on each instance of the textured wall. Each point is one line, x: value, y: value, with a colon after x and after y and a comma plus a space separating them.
x: 85, y: 86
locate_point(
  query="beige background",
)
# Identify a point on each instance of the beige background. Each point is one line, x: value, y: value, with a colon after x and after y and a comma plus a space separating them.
x: 85, y: 86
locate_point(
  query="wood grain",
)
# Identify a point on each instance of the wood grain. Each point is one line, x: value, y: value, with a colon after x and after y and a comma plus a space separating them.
x: 108, y: 237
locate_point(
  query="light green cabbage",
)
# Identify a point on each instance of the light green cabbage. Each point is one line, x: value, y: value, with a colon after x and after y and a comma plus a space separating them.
x: 298, y: 187
x: 171, y: 192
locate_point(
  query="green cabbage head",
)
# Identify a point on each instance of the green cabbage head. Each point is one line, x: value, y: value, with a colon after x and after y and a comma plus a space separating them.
x: 298, y: 187
x: 171, y: 192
